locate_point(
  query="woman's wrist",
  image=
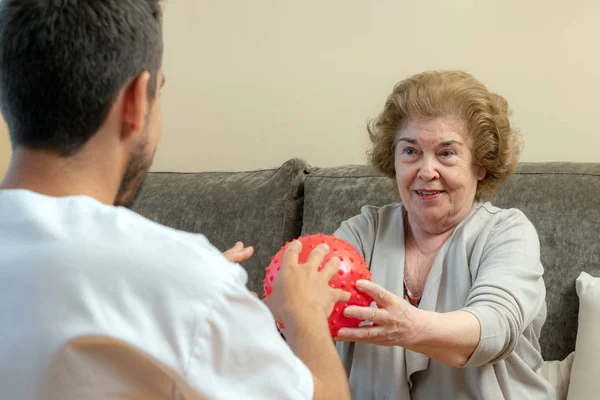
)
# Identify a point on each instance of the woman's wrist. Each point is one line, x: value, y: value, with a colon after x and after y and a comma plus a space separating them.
x: 422, y: 324
x: 448, y: 337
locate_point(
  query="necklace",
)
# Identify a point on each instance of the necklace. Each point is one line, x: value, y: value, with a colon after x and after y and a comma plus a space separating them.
x: 412, y: 298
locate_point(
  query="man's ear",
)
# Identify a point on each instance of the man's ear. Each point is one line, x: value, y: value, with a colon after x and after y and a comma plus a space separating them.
x: 136, y: 104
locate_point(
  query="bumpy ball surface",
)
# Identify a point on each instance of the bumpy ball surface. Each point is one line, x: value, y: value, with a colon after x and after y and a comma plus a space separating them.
x: 352, y: 268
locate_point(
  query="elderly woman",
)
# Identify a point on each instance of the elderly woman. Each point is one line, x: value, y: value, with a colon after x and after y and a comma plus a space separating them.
x: 457, y: 282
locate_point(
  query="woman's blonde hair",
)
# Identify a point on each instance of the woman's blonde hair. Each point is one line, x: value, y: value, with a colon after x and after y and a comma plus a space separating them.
x: 495, y: 144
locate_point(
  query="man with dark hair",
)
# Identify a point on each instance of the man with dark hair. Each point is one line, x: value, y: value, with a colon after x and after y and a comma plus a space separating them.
x: 96, y: 301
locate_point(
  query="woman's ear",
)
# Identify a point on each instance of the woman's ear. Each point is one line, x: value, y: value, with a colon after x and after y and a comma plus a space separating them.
x: 481, y: 172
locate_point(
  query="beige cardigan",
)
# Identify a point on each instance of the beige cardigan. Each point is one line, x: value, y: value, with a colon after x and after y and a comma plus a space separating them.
x: 490, y: 266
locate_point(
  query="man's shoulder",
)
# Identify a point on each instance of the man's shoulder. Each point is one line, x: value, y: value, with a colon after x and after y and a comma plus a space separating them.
x: 140, y: 243
x: 121, y: 227
x: 89, y: 237
x: 140, y: 228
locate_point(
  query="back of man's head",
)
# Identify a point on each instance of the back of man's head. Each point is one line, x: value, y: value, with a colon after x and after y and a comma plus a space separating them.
x: 63, y: 63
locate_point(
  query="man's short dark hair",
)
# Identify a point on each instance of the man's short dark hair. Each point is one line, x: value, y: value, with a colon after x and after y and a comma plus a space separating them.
x: 63, y: 63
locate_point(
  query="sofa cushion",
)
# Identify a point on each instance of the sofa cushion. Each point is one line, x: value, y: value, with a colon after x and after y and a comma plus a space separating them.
x: 558, y: 373
x: 584, y: 382
x: 262, y: 208
x: 561, y: 200
x: 332, y: 195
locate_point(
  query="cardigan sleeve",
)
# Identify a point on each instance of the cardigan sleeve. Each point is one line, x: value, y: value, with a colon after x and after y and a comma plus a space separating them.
x: 360, y: 231
x: 508, y: 291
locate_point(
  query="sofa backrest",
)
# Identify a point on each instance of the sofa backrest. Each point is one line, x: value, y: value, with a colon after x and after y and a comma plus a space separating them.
x: 561, y: 199
x: 267, y: 208
x: 262, y: 208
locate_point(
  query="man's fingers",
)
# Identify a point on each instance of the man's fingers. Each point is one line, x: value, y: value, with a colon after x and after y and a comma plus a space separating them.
x: 330, y: 269
x: 238, y: 246
x: 316, y: 257
x: 239, y: 256
x: 291, y: 254
x: 245, y: 253
x: 340, y: 296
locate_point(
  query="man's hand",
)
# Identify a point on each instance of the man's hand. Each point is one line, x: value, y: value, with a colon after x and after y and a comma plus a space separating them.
x: 302, y: 286
x: 303, y: 300
x: 238, y: 253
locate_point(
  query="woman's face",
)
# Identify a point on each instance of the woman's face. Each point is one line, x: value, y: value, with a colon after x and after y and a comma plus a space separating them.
x: 436, y: 172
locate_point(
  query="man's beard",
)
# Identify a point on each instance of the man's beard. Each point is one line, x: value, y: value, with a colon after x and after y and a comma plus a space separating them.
x: 133, y: 178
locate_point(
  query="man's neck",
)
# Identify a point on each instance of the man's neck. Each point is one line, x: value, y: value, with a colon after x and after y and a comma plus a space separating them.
x: 49, y: 174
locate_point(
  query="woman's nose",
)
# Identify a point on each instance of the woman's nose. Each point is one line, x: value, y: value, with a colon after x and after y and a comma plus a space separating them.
x: 428, y: 169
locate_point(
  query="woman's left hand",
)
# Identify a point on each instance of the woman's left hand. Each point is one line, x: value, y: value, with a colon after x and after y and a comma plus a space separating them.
x: 395, y: 322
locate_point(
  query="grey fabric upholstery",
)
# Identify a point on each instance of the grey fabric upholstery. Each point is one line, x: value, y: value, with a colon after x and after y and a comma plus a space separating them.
x: 561, y: 200
x: 261, y: 208
x: 332, y: 195
x: 268, y: 208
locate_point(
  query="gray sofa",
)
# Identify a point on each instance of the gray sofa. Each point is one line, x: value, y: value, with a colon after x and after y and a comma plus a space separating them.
x: 266, y: 208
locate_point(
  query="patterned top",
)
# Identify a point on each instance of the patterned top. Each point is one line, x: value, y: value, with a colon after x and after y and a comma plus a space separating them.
x: 408, y: 296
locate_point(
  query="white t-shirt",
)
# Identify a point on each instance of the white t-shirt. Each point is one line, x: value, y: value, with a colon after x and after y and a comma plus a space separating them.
x: 97, y: 302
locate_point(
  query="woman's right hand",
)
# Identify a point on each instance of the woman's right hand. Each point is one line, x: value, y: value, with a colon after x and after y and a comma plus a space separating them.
x: 301, y: 286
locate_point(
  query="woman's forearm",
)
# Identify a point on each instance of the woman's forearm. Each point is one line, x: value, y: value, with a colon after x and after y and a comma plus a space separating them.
x: 449, y: 338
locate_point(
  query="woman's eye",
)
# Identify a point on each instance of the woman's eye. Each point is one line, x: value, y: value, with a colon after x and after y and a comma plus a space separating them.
x: 409, y: 151
x: 447, y: 153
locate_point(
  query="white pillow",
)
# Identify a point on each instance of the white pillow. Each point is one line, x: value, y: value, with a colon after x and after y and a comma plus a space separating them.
x: 558, y: 374
x: 585, y: 372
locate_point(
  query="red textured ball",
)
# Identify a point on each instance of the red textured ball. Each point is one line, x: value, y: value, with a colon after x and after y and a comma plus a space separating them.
x: 352, y: 268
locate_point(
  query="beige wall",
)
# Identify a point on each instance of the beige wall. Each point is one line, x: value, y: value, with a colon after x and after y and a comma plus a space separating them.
x: 253, y: 83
